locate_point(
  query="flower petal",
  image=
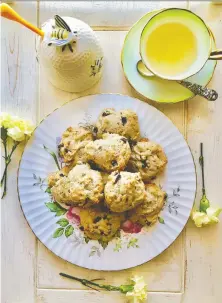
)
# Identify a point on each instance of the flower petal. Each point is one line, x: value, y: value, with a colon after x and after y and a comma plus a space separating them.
x: 139, y: 293
x: 200, y: 218
x: 213, y: 213
x: 5, y: 120
x: 16, y: 134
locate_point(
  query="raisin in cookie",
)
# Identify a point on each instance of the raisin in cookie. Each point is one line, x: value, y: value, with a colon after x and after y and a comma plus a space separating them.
x: 74, y: 140
x: 147, y: 212
x: 124, y: 191
x: 53, y: 178
x: 124, y: 123
x: 148, y: 158
x: 110, y: 153
x: 99, y: 225
x: 82, y: 187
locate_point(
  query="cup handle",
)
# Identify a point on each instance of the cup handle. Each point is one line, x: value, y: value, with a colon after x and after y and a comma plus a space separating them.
x: 216, y: 55
x: 207, y: 93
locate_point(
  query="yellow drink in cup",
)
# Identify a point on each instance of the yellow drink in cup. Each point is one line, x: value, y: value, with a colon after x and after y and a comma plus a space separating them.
x: 171, y: 48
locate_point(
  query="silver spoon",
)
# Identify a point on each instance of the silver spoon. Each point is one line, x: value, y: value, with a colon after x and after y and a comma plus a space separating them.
x: 207, y: 93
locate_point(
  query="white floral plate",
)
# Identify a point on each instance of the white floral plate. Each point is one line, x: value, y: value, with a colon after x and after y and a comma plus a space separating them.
x: 45, y: 218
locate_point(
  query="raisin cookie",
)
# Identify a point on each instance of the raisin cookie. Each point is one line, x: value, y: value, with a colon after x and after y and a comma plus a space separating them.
x: 147, y: 212
x: 148, y: 158
x: 74, y: 140
x: 124, y: 191
x: 99, y: 225
x: 110, y: 153
x: 124, y: 123
x: 82, y: 187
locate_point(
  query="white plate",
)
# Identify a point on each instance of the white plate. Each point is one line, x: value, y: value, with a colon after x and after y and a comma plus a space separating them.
x: 178, y: 180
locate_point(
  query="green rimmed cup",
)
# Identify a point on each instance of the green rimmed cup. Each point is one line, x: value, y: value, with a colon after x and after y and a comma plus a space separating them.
x: 155, y: 88
x: 175, y: 44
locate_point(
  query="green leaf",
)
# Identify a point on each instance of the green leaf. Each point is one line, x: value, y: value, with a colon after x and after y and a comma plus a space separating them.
x: 59, y: 206
x: 92, y: 253
x: 56, y: 208
x: 63, y: 222
x: 133, y: 243
x: 118, y: 246
x: 53, y: 207
x: 60, y: 212
x: 86, y: 239
x: 53, y: 155
x: 48, y: 190
x: 161, y: 220
x: 3, y: 134
x: 103, y: 244
x: 58, y: 232
x: 69, y: 231
x: 95, y: 250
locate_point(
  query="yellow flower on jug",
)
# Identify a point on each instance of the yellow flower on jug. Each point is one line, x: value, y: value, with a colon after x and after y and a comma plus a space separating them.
x: 206, y: 215
x: 16, y: 129
x: 139, y: 292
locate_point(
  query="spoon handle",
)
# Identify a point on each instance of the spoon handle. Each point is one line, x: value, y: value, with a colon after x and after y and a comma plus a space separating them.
x: 7, y: 12
x: 216, y: 55
x: 207, y: 93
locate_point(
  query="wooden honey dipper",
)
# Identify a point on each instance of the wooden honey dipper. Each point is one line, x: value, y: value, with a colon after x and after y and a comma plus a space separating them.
x: 7, y: 12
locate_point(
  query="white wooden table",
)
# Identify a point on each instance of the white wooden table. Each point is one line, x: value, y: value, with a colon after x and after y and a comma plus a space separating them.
x: 190, y: 270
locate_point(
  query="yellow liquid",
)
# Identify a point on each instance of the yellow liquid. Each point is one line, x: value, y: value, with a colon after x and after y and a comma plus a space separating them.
x: 171, y: 49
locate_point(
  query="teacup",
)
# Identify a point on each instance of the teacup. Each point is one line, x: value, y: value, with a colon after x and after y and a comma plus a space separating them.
x: 175, y: 44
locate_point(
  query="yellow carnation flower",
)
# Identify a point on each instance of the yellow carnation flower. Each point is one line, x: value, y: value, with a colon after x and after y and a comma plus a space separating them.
x: 139, y: 292
x: 210, y: 217
x: 17, y: 128
x: 207, y: 214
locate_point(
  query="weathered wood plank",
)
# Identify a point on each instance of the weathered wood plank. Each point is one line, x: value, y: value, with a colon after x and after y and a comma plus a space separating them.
x: 18, y: 96
x: 115, y: 14
x: 61, y: 296
x: 162, y: 274
x: 204, y: 246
